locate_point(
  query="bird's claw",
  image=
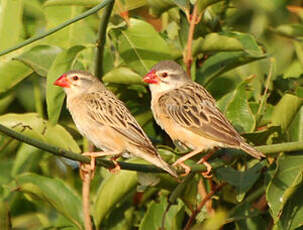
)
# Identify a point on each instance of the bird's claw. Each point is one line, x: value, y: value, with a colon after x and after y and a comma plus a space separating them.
x: 186, y: 168
x: 208, y: 174
x: 117, y: 167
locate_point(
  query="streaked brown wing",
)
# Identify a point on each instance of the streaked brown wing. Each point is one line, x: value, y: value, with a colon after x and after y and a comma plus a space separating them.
x: 192, y: 107
x: 107, y: 110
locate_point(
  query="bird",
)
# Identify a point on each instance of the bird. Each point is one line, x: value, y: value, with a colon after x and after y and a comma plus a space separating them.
x: 188, y: 114
x: 102, y: 118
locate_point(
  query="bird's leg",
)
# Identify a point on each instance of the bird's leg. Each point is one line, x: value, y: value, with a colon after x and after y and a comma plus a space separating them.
x: 93, y: 156
x: 117, y: 167
x: 180, y: 161
x: 203, y: 160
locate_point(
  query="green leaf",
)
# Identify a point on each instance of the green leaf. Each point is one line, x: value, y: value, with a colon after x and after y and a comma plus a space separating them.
x: 152, y: 219
x: 79, y: 33
x: 137, y: 46
x: 53, y: 192
x: 205, y: 3
x: 26, y: 158
x: 220, y: 42
x: 157, y: 7
x: 35, y: 220
x: 285, y: 111
x: 54, y: 94
x: 287, y: 177
x: 40, y: 58
x: 5, y: 218
x: 294, y: 70
x: 237, y: 110
x: 295, y: 129
x: 255, y: 222
x: 86, y: 3
x: 243, y: 181
x: 221, y: 63
x: 225, y: 61
x: 112, y: 189
x: 214, y: 222
x: 12, y: 73
x: 290, y: 30
x: 5, y: 100
x: 122, y: 75
x: 292, y: 216
x: 121, y: 218
x: 31, y: 125
x: 10, y: 23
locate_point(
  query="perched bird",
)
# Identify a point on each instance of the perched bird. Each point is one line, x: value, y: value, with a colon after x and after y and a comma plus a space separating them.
x: 105, y: 120
x: 188, y: 113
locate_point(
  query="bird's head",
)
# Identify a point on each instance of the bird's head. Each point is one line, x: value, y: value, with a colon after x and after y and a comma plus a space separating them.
x: 164, y: 76
x: 76, y: 82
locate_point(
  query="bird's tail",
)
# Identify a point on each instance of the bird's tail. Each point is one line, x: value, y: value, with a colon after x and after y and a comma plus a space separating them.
x: 152, y: 156
x: 251, y: 150
x: 162, y: 164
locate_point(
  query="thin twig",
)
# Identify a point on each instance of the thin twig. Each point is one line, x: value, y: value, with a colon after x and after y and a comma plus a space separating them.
x: 266, y: 149
x: 101, y: 39
x: 193, y: 19
x: 198, y: 209
x: 203, y: 193
x: 99, y: 161
x: 86, y: 180
x: 266, y: 87
x: 57, y: 28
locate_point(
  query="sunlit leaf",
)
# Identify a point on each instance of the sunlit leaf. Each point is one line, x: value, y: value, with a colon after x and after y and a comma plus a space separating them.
x: 153, y: 217
x: 5, y: 100
x: 284, y: 182
x: 10, y: 22
x: 53, y: 192
x: 237, y: 110
x: 292, y: 216
x: 40, y: 58
x: 27, y: 157
x: 285, y: 111
x: 122, y: 75
x: 295, y: 129
x: 32, y: 125
x: 79, y: 33
x: 138, y: 49
x: 86, y: 3
x: 12, y: 73
x: 112, y: 189
x: 5, y: 218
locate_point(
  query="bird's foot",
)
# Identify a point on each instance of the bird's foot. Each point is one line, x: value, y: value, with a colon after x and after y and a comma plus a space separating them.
x: 86, y: 169
x: 186, y: 168
x: 117, y: 167
x: 208, y: 173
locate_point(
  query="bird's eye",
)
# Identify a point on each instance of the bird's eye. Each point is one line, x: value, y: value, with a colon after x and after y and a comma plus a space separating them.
x: 164, y: 75
x: 75, y: 78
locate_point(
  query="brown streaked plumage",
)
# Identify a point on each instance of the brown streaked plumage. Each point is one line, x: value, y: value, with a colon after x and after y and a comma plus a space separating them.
x: 105, y: 120
x: 188, y: 113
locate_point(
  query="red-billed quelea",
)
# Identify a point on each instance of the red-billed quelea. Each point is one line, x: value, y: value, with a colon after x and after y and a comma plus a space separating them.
x: 105, y: 120
x: 188, y: 113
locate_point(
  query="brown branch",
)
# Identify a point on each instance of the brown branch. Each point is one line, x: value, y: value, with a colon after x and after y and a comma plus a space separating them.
x: 86, y: 175
x: 193, y: 20
x: 203, y: 202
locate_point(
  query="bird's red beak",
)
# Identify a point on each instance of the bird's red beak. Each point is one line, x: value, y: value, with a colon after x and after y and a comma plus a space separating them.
x: 151, y: 77
x: 62, y: 81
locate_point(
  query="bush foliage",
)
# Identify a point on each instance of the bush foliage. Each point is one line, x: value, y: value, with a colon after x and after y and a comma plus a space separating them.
x: 247, y: 53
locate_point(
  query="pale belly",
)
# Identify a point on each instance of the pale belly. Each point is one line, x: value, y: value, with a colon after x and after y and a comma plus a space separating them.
x: 103, y: 137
